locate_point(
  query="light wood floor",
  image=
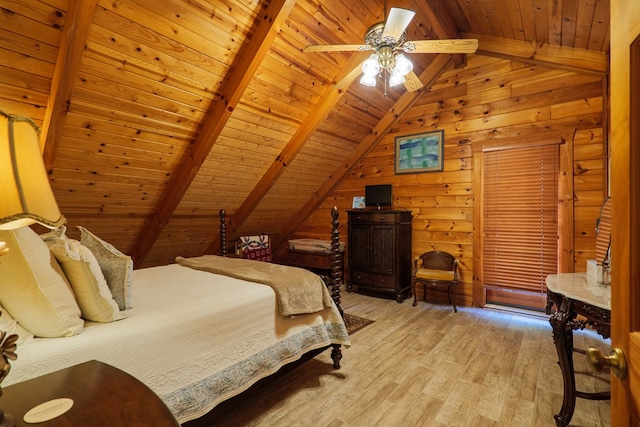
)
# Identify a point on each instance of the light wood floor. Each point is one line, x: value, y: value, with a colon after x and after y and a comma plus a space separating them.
x: 427, y: 366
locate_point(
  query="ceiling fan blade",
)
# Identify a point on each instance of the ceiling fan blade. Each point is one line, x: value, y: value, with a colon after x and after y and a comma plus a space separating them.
x: 335, y: 47
x: 397, y: 22
x: 412, y: 82
x: 445, y: 46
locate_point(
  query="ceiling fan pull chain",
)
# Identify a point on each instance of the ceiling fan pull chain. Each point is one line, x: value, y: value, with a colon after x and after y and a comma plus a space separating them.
x: 384, y: 72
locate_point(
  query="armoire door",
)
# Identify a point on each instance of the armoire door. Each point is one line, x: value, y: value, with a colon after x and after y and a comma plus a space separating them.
x: 383, y: 249
x: 359, y: 247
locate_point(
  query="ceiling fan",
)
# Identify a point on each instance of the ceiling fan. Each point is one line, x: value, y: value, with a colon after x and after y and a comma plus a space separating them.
x: 387, y: 39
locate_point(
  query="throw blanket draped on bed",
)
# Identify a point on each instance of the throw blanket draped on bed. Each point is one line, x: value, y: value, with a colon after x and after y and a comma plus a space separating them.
x: 298, y: 291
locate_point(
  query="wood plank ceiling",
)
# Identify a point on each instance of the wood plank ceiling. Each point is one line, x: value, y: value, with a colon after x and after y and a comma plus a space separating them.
x: 157, y: 114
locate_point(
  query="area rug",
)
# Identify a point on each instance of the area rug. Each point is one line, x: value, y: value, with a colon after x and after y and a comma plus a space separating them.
x: 355, y: 323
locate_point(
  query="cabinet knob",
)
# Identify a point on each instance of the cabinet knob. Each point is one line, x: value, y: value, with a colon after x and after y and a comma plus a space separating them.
x: 381, y: 218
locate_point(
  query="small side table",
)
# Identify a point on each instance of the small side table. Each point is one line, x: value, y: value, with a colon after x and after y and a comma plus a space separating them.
x: 574, y: 295
x: 102, y: 396
x: 318, y: 262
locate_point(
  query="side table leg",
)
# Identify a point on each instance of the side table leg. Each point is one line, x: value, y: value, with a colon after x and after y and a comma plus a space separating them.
x: 563, y: 339
x: 336, y: 355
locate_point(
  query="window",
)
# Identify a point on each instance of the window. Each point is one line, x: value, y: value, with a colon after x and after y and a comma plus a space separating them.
x: 519, y: 224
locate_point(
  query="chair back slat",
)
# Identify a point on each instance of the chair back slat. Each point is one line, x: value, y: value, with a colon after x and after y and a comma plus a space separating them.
x: 437, y: 260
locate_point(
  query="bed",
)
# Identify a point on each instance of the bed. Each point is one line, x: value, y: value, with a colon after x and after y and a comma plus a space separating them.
x: 194, y: 337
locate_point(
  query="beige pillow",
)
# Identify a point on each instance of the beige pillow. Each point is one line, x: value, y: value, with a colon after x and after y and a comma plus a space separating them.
x: 34, y: 289
x: 85, y: 276
x: 116, y: 267
x: 10, y: 326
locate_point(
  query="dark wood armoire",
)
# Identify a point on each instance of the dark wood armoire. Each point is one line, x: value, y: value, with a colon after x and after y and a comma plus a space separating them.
x: 379, y: 251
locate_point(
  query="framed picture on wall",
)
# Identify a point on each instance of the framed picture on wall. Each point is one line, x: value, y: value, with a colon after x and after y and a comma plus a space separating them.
x: 421, y: 152
x: 358, y: 202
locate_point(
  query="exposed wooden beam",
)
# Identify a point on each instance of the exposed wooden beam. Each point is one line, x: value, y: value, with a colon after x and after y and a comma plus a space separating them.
x: 442, y: 23
x: 558, y: 57
x: 406, y: 101
x: 351, y: 70
x: 239, y: 77
x: 79, y: 17
x: 329, y: 100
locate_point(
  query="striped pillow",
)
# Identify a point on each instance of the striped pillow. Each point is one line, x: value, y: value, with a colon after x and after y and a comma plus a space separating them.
x: 87, y: 280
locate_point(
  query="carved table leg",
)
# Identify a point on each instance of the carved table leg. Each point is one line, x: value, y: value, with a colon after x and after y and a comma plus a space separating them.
x: 563, y: 339
x: 336, y: 355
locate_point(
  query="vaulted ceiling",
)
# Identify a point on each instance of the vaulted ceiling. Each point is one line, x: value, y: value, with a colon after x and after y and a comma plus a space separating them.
x: 157, y: 114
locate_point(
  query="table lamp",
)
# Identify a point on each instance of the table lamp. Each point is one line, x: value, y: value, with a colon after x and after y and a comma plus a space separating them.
x: 26, y: 198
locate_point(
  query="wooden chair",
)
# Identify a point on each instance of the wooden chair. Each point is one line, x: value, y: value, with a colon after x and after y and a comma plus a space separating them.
x: 435, y: 268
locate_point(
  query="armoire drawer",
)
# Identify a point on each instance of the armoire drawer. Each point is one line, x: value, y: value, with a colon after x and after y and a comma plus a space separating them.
x: 370, y: 280
x: 382, y: 217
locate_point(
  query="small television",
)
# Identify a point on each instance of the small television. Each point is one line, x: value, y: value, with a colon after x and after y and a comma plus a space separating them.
x: 377, y: 195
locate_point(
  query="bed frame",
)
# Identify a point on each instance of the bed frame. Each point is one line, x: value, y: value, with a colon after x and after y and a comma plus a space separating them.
x: 333, y: 281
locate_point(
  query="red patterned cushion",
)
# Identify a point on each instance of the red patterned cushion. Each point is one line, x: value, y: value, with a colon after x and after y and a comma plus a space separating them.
x: 259, y: 254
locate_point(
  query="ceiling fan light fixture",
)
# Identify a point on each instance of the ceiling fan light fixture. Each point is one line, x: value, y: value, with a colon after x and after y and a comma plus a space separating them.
x: 396, y: 79
x: 403, y: 65
x: 386, y: 58
x: 371, y: 67
x: 368, y: 80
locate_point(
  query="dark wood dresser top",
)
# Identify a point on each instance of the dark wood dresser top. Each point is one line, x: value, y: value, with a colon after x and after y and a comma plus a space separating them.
x: 102, y: 396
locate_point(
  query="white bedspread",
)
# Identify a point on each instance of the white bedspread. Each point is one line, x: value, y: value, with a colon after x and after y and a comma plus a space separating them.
x: 195, y: 338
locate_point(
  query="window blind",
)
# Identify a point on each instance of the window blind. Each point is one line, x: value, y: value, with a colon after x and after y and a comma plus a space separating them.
x: 520, y: 217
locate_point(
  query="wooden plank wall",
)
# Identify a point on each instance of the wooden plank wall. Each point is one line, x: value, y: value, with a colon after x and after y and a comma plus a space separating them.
x: 488, y: 102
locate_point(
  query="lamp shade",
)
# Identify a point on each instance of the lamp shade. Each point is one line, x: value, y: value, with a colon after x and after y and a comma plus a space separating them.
x: 396, y: 79
x: 368, y: 80
x: 371, y: 67
x: 403, y: 65
x: 25, y: 192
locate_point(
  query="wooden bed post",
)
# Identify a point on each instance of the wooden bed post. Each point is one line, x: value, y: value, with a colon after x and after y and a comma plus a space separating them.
x: 336, y: 259
x: 223, y: 233
x: 336, y: 278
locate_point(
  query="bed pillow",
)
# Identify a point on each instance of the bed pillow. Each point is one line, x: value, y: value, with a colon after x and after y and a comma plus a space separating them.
x: 87, y: 280
x: 258, y: 254
x: 34, y: 289
x: 255, y: 247
x: 116, y: 267
x: 9, y: 325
